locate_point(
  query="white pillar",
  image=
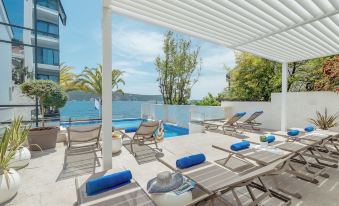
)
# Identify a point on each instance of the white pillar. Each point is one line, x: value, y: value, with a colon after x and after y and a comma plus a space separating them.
x: 283, y: 96
x: 107, y: 87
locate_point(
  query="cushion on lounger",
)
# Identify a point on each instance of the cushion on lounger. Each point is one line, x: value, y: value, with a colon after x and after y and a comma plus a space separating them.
x: 190, y: 161
x: 240, y: 114
x: 240, y: 146
x: 270, y: 138
x: 293, y: 132
x: 309, y: 129
x: 108, y: 182
x: 131, y: 129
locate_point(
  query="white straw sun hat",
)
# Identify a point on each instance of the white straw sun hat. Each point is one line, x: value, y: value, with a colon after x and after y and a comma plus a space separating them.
x: 165, y: 182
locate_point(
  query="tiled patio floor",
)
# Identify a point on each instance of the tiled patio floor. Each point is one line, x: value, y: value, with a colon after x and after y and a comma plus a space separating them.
x: 46, y: 182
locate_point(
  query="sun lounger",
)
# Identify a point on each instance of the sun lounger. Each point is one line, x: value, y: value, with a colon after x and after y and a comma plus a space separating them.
x: 126, y: 195
x: 250, y: 121
x: 145, y: 134
x: 79, y: 136
x: 217, y: 180
x: 229, y: 125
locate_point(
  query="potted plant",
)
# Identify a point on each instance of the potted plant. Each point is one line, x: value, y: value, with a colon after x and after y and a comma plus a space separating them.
x: 263, y: 141
x: 50, y: 95
x: 116, y: 141
x: 18, y: 134
x: 325, y: 121
x: 9, y: 178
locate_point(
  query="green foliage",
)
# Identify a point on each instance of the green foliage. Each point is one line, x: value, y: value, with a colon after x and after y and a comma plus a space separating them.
x: 325, y: 121
x: 263, y: 139
x: 209, y: 100
x: 254, y: 78
x: 67, y: 78
x: 90, y: 80
x: 49, y: 93
x: 177, y: 70
x: 12, y: 140
x: 20, y: 73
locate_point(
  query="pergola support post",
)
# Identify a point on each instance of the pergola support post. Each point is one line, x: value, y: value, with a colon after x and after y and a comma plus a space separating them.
x: 283, y: 96
x: 107, y: 87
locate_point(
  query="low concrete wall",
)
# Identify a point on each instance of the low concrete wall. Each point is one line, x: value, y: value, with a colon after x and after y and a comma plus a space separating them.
x: 182, y: 114
x: 300, y: 107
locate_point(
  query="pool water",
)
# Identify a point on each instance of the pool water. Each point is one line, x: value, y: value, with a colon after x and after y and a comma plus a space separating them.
x: 170, y: 130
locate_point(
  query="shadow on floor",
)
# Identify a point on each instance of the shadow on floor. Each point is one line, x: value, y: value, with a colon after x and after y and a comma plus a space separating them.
x: 144, y: 153
x: 78, y: 162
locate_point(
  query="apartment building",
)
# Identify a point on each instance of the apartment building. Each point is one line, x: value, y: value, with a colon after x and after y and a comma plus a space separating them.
x: 29, y: 41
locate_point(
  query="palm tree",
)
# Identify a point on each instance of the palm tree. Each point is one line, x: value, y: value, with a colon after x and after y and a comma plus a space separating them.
x: 90, y: 80
x: 68, y: 78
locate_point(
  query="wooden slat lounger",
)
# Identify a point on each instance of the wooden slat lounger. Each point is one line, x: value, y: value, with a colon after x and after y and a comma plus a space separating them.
x: 217, y: 180
x: 130, y: 194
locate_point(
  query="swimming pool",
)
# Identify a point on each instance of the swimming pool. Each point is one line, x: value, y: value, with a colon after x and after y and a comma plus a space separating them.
x: 170, y: 129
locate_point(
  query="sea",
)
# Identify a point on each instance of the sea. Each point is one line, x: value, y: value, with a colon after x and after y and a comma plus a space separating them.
x: 86, y: 110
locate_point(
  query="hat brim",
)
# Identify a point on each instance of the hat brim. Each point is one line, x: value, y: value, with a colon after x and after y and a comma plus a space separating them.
x: 176, y: 182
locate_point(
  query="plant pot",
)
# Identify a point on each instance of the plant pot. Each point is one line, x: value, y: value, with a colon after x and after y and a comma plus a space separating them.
x: 21, y: 158
x: 45, y: 138
x: 8, y: 191
x: 116, y: 145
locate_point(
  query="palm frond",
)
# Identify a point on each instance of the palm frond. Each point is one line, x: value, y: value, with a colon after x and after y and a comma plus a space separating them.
x: 325, y: 121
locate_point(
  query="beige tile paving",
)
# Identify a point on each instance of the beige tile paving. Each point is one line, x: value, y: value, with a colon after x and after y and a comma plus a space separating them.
x: 46, y: 182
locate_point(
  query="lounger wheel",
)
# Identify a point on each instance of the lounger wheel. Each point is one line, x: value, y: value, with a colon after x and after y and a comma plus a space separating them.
x: 315, y: 181
x: 297, y: 195
x: 325, y: 175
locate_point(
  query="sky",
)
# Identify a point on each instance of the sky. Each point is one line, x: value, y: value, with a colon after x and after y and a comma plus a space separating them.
x: 135, y: 46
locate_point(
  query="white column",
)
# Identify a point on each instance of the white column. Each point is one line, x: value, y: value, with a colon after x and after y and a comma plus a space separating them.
x: 107, y: 87
x: 283, y: 96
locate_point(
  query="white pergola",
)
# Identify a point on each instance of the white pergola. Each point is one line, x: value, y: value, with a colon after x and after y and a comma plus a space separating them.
x: 280, y: 30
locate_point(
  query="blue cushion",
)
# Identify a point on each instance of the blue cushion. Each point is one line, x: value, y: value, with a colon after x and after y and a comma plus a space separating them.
x: 190, y: 161
x: 131, y: 129
x: 240, y: 146
x: 108, y: 182
x: 240, y: 114
x: 270, y: 138
x: 309, y: 129
x: 293, y: 132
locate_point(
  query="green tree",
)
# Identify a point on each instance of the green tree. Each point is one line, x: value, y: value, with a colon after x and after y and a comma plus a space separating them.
x: 209, y: 100
x: 49, y: 93
x: 178, y: 69
x: 90, y: 80
x: 68, y: 78
x: 253, y: 78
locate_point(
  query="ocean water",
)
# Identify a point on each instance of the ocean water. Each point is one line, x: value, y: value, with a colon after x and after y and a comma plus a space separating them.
x: 86, y: 110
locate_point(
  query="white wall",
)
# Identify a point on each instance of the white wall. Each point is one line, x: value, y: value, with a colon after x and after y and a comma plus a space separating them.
x: 300, y: 107
x: 181, y: 114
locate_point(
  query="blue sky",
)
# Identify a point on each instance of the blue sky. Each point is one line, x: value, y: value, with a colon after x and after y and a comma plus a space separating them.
x: 135, y: 46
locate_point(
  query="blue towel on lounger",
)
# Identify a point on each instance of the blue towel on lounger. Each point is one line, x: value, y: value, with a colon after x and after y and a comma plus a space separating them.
x: 270, y: 138
x: 309, y: 128
x: 108, y: 182
x: 293, y: 132
x: 190, y: 161
x: 240, y: 114
x: 240, y: 146
x: 131, y: 129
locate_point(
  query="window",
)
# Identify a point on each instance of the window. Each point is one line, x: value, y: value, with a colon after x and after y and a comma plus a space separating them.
x: 48, y: 56
x: 48, y: 77
x: 51, y: 4
x: 47, y: 29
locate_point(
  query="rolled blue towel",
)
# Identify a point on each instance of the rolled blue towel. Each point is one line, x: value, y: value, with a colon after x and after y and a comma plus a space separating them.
x: 189, y: 161
x: 108, y: 182
x: 240, y: 114
x: 240, y: 146
x: 309, y: 128
x: 293, y: 132
x: 270, y: 138
x: 131, y: 129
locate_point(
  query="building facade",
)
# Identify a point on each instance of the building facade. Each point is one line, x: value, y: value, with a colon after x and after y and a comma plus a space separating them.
x: 29, y: 41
